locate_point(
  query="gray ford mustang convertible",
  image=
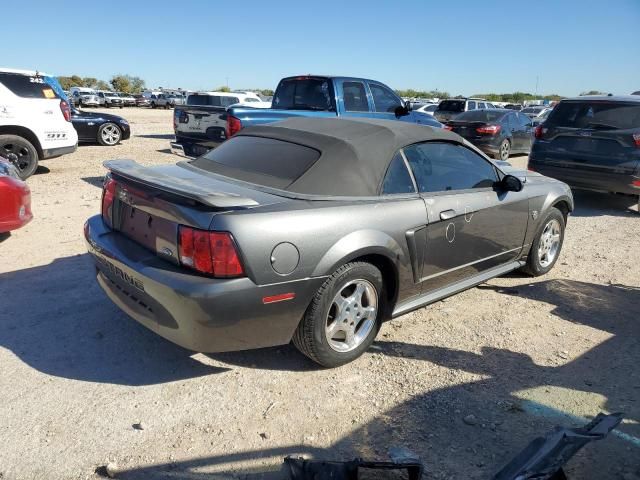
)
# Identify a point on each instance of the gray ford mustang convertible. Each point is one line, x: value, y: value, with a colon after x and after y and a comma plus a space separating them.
x: 316, y: 231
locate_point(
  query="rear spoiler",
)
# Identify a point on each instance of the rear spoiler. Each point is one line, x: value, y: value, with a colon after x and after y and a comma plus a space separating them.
x: 181, y: 186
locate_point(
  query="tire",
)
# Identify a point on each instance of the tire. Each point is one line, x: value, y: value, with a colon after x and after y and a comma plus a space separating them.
x: 322, y: 333
x: 21, y: 153
x: 153, y: 105
x: 109, y: 134
x: 547, y: 244
x: 121, y: 106
x: 504, y: 150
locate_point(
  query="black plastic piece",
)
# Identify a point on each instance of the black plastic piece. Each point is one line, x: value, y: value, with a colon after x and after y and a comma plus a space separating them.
x: 301, y: 469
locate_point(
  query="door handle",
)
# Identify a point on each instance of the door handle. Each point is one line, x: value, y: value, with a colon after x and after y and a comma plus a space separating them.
x: 447, y: 214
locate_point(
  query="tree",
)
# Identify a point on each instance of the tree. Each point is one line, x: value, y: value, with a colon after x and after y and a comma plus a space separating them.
x: 127, y: 83
x: 89, y: 81
x: 223, y: 89
x: 102, y: 85
x: 592, y: 92
x: 266, y: 92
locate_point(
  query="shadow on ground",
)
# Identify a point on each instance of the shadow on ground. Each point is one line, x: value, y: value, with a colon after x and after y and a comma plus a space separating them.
x: 593, y: 204
x: 432, y: 425
x: 159, y: 136
x: 94, y: 181
x: 56, y: 319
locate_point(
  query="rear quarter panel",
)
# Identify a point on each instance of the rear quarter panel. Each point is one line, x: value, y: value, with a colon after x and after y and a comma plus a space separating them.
x: 327, y: 235
x: 255, y: 116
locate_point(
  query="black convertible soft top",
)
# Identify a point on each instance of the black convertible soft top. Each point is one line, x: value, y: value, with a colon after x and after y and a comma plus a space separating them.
x: 353, y: 154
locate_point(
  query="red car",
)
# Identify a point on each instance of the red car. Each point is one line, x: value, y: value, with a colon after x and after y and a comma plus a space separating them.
x: 15, y: 199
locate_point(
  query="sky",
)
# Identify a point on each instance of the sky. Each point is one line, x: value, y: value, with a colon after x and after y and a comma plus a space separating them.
x: 462, y: 47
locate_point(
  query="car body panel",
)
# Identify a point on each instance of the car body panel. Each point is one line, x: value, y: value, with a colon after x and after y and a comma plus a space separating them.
x: 15, y: 199
x: 87, y: 124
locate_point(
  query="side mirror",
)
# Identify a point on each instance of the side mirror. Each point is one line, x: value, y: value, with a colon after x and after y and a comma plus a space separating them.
x: 511, y: 183
x: 402, y: 110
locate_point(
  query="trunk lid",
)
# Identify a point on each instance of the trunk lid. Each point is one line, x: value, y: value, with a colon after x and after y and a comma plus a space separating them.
x: 149, y: 203
x: 466, y: 129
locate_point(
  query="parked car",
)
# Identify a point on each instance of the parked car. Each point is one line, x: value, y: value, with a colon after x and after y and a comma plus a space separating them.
x: 104, y: 128
x: 534, y: 111
x: 513, y: 106
x: 142, y: 101
x: 429, y: 109
x: 35, y: 122
x: 318, y: 96
x: 315, y: 230
x: 15, y: 198
x: 448, y: 109
x: 84, y: 97
x: 163, y: 100
x: 110, y: 99
x: 127, y: 99
x: 592, y: 143
x: 541, y: 117
x: 497, y: 132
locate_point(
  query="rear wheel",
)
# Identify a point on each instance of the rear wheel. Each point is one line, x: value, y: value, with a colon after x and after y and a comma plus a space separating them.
x: 344, y: 316
x: 21, y: 153
x: 546, y: 245
x: 109, y: 134
x: 504, y: 150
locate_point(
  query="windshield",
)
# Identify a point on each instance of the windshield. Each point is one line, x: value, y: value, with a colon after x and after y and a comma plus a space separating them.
x: 263, y: 161
x: 531, y: 110
x: 451, y: 106
x: 480, y: 116
x: 605, y: 115
x: 304, y: 94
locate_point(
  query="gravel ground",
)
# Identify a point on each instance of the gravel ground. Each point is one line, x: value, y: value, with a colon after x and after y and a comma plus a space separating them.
x: 464, y: 383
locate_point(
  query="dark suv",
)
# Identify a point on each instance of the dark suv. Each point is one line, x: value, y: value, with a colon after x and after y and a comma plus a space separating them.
x: 592, y: 143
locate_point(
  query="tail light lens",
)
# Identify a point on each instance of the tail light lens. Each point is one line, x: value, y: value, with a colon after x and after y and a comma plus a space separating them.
x: 234, y: 125
x: 448, y: 127
x: 108, y: 195
x: 66, y: 111
x: 540, y: 131
x: 489, y: 129
x: 213, y: 253
x: 636, y: 139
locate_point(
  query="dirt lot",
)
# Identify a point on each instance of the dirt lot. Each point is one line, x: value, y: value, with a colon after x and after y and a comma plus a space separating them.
x: 464, y: 383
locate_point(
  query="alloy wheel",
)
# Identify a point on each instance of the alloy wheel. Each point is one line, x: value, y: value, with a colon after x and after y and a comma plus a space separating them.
x: 352, y: 315
x: 110, y: 134
x: 549, y: 243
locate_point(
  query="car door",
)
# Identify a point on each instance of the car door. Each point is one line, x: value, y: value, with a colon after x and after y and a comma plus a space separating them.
x: 525, y: 132
x: 85, y: 125
x: 472, y: 225
x: 515, y: 134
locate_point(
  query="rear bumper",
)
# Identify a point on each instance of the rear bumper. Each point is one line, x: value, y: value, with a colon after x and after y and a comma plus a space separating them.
x: 587, y: 180
x: 58, y: 151
x: 195, y: 312
x: 194, y: 145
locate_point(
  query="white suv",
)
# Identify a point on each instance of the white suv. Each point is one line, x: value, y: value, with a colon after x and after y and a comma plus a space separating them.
x: 35, y: 120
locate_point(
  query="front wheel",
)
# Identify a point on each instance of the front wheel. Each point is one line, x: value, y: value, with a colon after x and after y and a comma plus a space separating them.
x: 109, y: 134
x: 344, y: 316
x: 504, y: 150
x: 21, y: 153
x: 546, y: 245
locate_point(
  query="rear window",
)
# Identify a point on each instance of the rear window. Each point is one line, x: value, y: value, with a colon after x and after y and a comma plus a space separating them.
x: 304, y: 94
x: 27, y: 86
x: 593, y: 114
x: 211, y: 100
x: 264, y: 161
x: 480, y: 116
x: 451, y: 106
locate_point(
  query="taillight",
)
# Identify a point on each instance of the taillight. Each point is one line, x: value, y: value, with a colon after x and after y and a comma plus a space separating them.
x: 448, y: 127
x: 489, y: 129
x: 636, y: 139
x: 66, y: 111
x: 234, y: 125
x: 108, y: 195
x: 213, y: 253
x: 540, y: 131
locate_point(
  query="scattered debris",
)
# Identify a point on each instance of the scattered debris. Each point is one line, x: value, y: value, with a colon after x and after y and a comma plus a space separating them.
x: 138, y: 426
x: 264, y: 435
x: 470, y: 419
x: 269, y: 408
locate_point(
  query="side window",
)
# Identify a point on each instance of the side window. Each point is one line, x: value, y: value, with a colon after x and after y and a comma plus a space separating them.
x: 355, y: 97
x: 490, y: 105
x: 397, y: 179
x: 524, y: 120
x: 384, y: 100
x: 471, y: 105
x: 440, y: 167
x: 482, y: 105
